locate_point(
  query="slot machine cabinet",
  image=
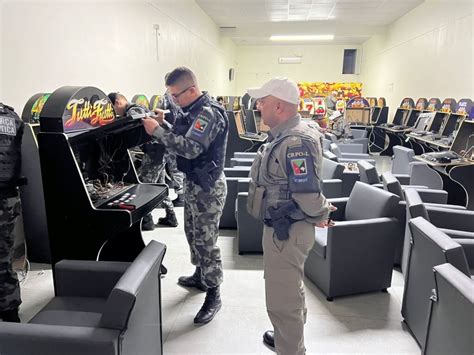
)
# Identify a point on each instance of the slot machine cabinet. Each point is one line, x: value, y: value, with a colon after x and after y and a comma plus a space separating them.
x: 93, y: 198
x: 33, y: 207
x: 357, y: 112
x: 379, y: 117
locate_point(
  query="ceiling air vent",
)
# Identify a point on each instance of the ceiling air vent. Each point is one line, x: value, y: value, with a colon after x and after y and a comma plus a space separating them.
x: 289, y: 60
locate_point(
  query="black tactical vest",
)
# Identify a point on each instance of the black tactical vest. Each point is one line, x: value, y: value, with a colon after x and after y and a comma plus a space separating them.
x: 215, y: 152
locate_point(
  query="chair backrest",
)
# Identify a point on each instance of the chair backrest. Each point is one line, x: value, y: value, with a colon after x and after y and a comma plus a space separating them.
x: 368, y: 173
x: 359, y: 133
x: 391, y: 184
x: 331, y: 169
x: 422, y: 174
x: 430, y: 247
x: 366, y: 201
x: 335, y: 150
x: 129, y: 287
x: 450, y: 325
x: 402, y: 157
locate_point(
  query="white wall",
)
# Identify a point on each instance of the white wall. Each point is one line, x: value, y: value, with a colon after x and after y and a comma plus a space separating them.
x: 1, y: 51
x: 426, y: 53
x: 322, y: 63
x: 110, y: 45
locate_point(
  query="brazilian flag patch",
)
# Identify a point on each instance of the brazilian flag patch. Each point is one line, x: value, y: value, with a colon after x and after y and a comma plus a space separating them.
x: 299, y: 166
x: 200, y: 125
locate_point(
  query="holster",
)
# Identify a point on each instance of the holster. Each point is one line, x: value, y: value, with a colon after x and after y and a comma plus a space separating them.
x: 280, y: 219
x: 203, y: 177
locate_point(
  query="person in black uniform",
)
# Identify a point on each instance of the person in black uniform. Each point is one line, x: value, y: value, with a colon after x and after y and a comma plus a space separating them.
x: 11, y: 134
x: 199, y: 140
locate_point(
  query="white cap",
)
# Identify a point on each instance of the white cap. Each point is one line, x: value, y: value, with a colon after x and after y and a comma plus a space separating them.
x: 281, y: 88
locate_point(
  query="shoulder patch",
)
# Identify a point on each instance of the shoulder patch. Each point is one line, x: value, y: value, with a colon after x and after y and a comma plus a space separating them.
x: 200, y: 124
x: 301, y: 171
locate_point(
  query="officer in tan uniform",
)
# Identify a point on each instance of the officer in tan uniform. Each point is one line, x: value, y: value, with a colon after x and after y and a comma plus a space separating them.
x: 285, y: 192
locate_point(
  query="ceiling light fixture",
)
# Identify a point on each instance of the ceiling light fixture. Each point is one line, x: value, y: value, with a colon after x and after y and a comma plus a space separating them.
x: 288, y: 38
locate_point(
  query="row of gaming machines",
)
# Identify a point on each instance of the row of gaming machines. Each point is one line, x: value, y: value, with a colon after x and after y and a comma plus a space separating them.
x: 427, y: 126
x: 440, y: 133
x: 248, y: 131
x: 83, y: 199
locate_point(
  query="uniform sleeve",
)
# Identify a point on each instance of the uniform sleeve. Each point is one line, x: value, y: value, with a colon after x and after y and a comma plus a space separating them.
x: 204, y: 129
x: 302, y: 161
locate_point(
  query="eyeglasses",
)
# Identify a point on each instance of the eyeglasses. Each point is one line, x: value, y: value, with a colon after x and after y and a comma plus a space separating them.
x: 175, y: 96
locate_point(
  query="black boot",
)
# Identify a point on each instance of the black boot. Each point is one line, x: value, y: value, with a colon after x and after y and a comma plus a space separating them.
x: 193, y: 281
x: 10, y: 316
x: 269, y: 338
x: 147, y: 223
x: 169, y: 221
x: 178, y: 201
x: 211, y: 306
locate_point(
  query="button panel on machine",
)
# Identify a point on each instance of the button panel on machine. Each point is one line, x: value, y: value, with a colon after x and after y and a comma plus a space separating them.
x: 124, y: 202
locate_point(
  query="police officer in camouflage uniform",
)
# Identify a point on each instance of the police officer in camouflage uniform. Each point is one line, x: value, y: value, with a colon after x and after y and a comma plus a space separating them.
x: 199, y: 139
x: 152, y: 168
x: 285, y: 193
x: 11, y: 133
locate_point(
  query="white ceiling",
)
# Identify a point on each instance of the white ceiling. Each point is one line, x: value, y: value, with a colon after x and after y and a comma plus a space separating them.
x: 351, y: 21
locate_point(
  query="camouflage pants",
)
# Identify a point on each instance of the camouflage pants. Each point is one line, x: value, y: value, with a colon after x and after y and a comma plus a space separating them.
x: 151, y: 172
x: 9, y: 286
x: 177, y: 177
x: 202, y: 213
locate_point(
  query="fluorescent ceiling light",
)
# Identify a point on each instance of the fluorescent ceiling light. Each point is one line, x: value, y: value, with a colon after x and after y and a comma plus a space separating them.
x: 302, y: 38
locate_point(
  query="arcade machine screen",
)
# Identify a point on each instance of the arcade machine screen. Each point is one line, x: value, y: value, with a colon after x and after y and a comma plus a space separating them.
x: 250, y: 125
x: 464, y: 142
x: 437, y: 122
x: 451, y: 125
x: 424, y: 120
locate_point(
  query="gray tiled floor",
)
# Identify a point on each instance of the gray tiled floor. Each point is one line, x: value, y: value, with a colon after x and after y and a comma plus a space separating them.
x: 363, y: 324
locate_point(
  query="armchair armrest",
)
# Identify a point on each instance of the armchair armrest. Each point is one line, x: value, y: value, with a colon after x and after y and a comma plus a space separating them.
x: 451, y: 218
x: 340, y: 203
x: 87, y: 278
x: 358, y: 156
x: 332, y: 188
x: 433, y: 196
x: 45, y: 339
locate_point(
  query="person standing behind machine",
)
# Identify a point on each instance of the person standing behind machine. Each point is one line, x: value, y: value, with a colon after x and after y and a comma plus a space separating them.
x: 152, y: 167
x: 285, y: 193
x: 176, y: 176
x: 199, y: 140
x: 11, y: 134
